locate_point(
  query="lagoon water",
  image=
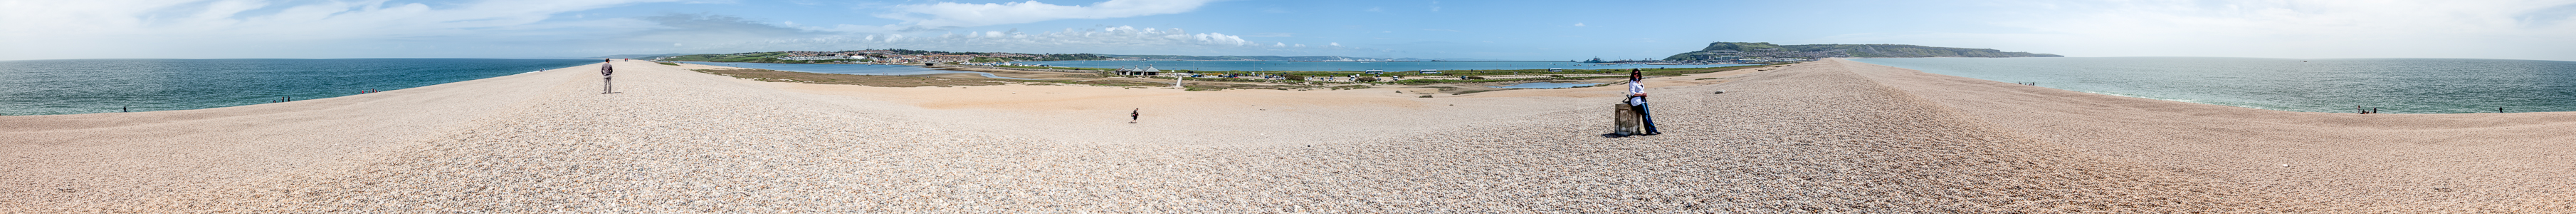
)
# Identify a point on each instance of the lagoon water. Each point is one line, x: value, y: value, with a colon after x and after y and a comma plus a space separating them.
x: 1350, y: 66
x: 42, y: 87
x: 2413, y: 86
x: 860, y: 69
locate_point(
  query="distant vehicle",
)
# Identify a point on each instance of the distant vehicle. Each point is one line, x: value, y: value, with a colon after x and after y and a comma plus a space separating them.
x: 1430, y: 71
x: 1375, y: 71
x: 1555, y: 70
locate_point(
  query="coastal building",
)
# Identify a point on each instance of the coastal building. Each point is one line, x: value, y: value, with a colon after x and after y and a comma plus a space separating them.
x: 1147, y: 71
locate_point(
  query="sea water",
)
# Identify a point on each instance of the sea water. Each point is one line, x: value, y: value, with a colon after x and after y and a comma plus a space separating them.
x: 2421, y: 86
x: 43, y: 87
x: 859, y: 69
x: 1352, y: 66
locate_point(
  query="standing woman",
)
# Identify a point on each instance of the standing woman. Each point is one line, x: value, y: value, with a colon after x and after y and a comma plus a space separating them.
x: 1132, y: 114
x: 1637, y: 97
x: 604, y: 70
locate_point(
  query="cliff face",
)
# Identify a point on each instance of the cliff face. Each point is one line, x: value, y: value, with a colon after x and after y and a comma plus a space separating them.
x: 1744, y: 50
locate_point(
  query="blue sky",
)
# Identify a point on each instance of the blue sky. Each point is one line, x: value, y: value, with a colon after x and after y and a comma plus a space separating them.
x: 1493, y: 30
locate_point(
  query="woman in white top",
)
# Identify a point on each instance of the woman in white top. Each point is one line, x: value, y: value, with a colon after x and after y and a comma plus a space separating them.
x: 1637, y: 97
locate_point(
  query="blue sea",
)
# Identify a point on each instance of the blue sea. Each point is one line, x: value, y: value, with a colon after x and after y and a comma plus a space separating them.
x: 1350, y: 66
x: 44, y: 87
x: 2413, y: 86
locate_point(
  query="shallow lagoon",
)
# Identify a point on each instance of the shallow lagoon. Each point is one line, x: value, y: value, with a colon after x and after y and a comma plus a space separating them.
x: 859, y: 69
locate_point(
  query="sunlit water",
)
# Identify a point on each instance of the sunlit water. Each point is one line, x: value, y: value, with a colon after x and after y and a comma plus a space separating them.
x: 41, y: 87
x: 2422, y: 86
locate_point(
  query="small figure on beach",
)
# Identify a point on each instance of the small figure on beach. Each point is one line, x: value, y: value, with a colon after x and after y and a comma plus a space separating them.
x: 604, y: 71
x: 1133, y: 114
x: 1637, y: 97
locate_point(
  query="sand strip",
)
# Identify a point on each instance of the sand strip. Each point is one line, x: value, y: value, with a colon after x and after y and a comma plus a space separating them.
x: 2400, y: 163
x: 1828, y: 136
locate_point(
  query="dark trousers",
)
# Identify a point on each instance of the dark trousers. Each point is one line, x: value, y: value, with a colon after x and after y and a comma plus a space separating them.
x: 1648, y: 117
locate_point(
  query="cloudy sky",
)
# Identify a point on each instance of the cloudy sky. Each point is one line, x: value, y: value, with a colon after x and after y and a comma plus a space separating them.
x: 1494, y: 30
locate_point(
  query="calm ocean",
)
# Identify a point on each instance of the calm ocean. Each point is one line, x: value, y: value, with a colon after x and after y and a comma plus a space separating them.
x: 1349, y: 66
x: 41, y: 87
x: 2413, y: 86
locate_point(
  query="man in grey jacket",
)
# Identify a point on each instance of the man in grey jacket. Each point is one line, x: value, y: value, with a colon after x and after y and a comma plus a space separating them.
x: 604, y: 70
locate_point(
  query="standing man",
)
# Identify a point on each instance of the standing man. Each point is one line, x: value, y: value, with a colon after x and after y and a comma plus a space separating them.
x: 605, y: 70
x: 1637, y: 97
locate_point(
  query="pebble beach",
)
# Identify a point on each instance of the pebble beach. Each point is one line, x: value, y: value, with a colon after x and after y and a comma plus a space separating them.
x: 1826, y: 136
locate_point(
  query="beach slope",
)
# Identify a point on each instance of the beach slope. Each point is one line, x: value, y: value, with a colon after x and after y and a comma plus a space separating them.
x: 1829, y: 136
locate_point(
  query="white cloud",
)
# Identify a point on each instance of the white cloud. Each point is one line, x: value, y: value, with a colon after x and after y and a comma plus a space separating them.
x: 2277, y: 28
x: 203, y: 29
x: 1110, y: 40
x: 1578, y: 24
x: 952, y: 14
x: 494, y: 28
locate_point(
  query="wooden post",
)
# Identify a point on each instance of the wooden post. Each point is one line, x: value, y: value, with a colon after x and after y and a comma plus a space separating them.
x: 1627, y: 121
